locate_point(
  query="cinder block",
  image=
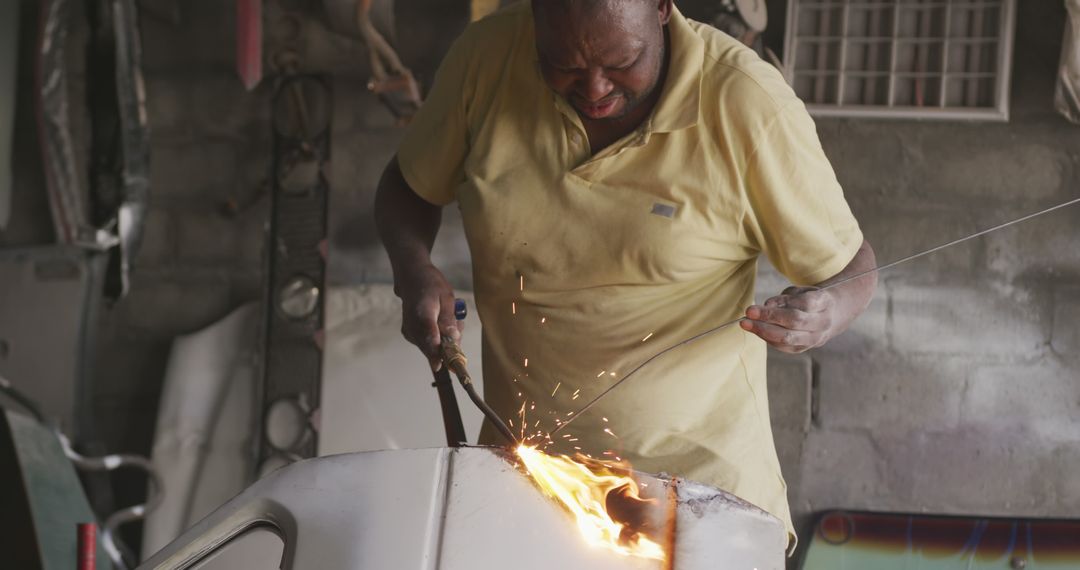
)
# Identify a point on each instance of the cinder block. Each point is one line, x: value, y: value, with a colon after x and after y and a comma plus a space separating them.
x: 867, y: 334
x: 902, y: 228
x: 206, y: 237
x: 789, y: 379
x: 1043, y: 396
x: 163, y: 306
x: 192, y: 104
x: 203, y: 36
x: 1066, y: 461
x: 889, y: 392
x: 1065, y: 338
x: 204, y: 171
x: 839, y: 470
x: 1046, y: 246
x: 357, y: 109
x: 252, y: 235
x: 963, y: 320
x: 789, y: 450
x: 990, y: 470
x: 857, y: 163
x: 159, y: 239
x: 969, y: 165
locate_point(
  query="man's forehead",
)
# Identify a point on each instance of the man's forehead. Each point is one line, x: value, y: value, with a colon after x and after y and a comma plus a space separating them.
x: 610, y: 33
x: 605, y: 9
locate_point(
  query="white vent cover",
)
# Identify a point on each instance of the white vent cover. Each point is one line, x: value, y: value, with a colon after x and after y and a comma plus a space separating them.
x: 944, y: 59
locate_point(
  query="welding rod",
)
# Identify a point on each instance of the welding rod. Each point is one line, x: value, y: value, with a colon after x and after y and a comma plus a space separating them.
x: 733, y: 322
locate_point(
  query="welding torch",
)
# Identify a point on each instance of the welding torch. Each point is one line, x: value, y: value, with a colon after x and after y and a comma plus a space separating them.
x: 454, y: 360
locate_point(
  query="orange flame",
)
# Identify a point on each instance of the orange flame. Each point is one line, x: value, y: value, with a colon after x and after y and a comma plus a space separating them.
x: 583, y: 490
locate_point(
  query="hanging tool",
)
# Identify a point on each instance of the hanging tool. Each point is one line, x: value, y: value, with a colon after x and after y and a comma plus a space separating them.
x: 454, y: 361
x: 877, y: 269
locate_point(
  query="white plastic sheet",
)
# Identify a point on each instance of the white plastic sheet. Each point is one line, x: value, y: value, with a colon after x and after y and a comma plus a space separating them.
x: 1067, y: 96
x: 202, y: 442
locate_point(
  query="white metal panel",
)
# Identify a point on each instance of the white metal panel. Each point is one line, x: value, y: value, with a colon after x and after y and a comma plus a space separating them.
x: 496, y: 518
x: 466, y: 508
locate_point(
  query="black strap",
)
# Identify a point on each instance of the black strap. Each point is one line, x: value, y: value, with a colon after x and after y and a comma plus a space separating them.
x: 451, y: 414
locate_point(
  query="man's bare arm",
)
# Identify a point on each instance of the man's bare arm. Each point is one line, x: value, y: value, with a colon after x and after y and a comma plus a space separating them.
x: 802, y: 318
x: 408, y: 225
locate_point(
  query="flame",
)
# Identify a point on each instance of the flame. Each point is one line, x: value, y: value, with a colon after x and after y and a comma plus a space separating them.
x: 583, y: 490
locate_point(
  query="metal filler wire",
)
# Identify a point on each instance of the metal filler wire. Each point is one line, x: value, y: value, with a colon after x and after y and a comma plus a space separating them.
x: 730, y: 323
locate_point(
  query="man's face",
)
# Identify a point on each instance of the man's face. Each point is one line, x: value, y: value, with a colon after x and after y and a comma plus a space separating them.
x: 605, y: 57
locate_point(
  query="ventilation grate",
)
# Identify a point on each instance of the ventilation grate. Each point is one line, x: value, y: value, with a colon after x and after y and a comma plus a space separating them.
x: 947, y: 59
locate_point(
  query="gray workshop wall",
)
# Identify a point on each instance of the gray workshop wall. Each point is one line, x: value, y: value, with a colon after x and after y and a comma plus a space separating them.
x: 959, y: 389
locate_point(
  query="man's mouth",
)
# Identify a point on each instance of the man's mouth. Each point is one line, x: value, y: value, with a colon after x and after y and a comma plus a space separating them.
x: 600, y: 110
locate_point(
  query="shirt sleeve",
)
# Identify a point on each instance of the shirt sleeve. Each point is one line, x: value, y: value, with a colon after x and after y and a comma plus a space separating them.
x: 432, y: 153
x: 797, y: 213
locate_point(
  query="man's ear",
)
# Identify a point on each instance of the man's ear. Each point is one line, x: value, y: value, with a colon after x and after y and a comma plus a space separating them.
x: 664, y: 9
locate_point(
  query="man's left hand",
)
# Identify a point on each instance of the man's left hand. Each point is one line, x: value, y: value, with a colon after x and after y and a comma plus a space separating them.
x: 795, y: 321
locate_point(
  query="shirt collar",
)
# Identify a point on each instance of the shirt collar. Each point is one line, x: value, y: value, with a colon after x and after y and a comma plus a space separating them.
x: 680, y: 99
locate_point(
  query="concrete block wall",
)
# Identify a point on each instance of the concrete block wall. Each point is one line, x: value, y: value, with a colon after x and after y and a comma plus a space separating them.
x: 959, y: 389
x: 210, y: 143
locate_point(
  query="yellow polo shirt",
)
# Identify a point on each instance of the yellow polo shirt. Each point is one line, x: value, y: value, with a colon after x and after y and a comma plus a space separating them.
x: 585, y: 266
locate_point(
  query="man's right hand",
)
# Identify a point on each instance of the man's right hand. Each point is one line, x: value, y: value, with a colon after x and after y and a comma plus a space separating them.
x: 427, y: 311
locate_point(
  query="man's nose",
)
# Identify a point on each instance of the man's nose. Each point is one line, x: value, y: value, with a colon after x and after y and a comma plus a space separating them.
x: 594, y: 86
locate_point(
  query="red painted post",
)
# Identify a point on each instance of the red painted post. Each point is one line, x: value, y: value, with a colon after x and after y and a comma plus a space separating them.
x: 87, y: 546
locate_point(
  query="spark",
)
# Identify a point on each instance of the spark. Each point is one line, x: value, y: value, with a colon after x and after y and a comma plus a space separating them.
x: 556, y: 389
x: 603, y: 418
x: 576, y: 392
x: 569, y: 413
x: 612, y: 374
x: 521, y: 282
x: 510, y: 421
x: 647, y: 337
x: 572, y: 439
x: 543, y: 320
x: 566, y: 435
x: 601, y: 373
x: 533, y: 407
x: 577, y: 448
x: 513, y: 308
x: 526, y: 363
x: 609, y: 432
x: 519, y: 394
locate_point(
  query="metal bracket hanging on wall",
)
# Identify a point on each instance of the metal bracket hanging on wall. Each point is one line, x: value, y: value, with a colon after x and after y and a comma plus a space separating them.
x: 296, y: 271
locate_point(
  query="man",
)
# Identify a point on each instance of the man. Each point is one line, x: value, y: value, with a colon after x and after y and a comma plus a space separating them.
x: 619, y: 169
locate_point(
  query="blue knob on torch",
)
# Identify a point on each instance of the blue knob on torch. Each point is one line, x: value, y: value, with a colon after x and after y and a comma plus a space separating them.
x: 460, y: 310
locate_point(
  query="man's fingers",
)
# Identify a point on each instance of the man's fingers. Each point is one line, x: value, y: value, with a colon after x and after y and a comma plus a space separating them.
x: 448, y: 323
x: 789, y: 318
x: 783, y: 339
x: 422, y: 327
